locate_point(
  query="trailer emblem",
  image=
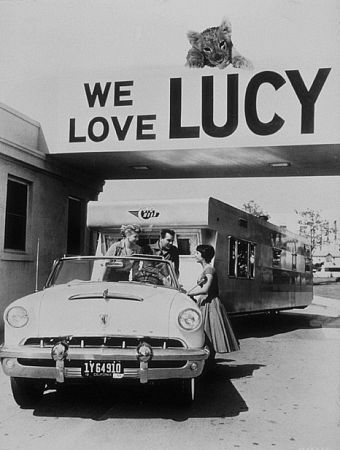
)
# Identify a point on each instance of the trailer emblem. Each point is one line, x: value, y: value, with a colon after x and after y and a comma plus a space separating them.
x: 145, y: 213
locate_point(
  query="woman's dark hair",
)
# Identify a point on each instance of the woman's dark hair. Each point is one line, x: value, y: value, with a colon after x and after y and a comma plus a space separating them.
x: 207, y: 252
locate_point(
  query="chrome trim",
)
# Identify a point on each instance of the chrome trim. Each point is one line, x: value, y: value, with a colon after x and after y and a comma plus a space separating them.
x: 101, y: 354
x: 143, y: 374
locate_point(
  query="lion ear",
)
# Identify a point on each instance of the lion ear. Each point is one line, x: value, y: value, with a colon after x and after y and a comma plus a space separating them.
x: 194, y: 38
x: 225, y: 26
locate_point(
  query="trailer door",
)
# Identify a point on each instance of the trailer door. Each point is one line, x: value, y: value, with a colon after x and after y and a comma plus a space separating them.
x: 189, y: 269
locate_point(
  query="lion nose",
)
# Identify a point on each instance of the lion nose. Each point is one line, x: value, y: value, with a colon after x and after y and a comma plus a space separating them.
x: 218, y: 57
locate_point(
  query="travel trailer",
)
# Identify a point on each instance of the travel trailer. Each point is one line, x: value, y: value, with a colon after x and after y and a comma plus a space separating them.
x: 260, y: 266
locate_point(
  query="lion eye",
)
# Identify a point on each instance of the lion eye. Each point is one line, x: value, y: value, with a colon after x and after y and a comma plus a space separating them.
x: 223, y: 45
x: 207, y: 49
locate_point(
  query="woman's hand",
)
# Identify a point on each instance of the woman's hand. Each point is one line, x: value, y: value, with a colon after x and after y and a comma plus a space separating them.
x: 191, y: 296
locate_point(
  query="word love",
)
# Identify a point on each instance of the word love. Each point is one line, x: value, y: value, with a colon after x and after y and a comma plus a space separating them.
x: 99, y: 127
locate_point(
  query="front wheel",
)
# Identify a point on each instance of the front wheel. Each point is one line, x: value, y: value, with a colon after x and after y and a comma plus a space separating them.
x: 210, y: 362
x: 27, y: 391
x: 186, y: 394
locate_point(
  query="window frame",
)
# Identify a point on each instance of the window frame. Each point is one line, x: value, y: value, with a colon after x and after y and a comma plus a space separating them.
x: 26, y: 248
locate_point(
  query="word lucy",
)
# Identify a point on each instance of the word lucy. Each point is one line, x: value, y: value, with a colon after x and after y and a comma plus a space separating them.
x: 99, y: 127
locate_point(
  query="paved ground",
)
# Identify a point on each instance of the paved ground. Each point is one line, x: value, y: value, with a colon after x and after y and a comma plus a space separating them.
x: 329, y: 290
x: 281, y: 391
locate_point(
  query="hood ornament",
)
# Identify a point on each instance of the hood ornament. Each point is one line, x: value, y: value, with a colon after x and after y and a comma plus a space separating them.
x: 104, y: 320
x: 105, y: 294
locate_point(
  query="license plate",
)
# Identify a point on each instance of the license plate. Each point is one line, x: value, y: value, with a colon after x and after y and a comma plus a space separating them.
x: 112, y: 369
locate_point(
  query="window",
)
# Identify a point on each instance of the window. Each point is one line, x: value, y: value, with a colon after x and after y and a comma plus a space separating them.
x: 308, y: 264
x: 277, y: 257
x: 276, y: 239
x: 187, y: 243
x: 184, y: 246
x: 294, y: 260
x: 232, y: 257
x: 16, y: 214
x: 252, y: 261
x: 74, y: 228
x: 241, y: 258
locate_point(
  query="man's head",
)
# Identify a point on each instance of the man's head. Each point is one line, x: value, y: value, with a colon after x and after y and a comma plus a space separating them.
x: 167, y: 237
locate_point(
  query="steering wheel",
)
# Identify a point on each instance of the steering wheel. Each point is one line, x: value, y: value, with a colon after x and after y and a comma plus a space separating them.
x: 149, y: 275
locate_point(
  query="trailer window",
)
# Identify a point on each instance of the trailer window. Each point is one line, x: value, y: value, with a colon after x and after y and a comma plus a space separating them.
x: 294, y: 259
x: 308, y: 264
x: 232, y: 257
x: 252, y: 261
x: 276, y: 239
x: 184, y: 246
x: 241, y: 258
x: 187, y: 243
x: 277, y: 257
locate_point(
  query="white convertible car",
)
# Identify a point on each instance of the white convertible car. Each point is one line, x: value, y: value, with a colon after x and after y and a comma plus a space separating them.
x: 103, y: 317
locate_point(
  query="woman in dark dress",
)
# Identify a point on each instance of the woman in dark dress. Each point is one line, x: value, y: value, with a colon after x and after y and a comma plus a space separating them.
x: 217, y: 326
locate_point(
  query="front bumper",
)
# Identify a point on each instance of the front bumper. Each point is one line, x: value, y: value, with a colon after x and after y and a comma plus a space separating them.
x: 12, y: 362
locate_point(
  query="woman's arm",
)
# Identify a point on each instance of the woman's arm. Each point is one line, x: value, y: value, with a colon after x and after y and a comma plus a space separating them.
x: 112, y: 250
x: 197, y: 290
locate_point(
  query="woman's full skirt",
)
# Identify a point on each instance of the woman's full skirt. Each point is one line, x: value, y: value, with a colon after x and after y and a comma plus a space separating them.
x: 217, y: 326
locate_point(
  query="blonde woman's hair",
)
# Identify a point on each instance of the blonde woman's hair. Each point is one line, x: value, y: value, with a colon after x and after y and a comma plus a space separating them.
x: 126, y: 230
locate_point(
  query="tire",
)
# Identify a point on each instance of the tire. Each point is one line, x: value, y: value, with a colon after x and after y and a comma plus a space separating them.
x: 186, y: 393
x: 210, y: 362
x: 27, y: 391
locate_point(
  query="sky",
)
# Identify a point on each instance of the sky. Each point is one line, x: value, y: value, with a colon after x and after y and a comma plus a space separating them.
x: 41, y: 40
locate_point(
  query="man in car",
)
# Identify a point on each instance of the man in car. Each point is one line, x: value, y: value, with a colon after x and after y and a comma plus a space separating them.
x: 164, y: 247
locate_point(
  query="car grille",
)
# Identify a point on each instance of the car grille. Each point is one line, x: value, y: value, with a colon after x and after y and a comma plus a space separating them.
x: 105, y: 342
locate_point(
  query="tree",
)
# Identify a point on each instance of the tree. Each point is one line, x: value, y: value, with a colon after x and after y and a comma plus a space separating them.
x: 315, y: 228
x: 251, y: 207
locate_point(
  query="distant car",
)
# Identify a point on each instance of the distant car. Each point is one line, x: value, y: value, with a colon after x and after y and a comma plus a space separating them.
x: 103, y: 317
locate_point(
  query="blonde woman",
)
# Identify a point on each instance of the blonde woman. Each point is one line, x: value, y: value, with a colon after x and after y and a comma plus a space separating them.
x: 127, y: 246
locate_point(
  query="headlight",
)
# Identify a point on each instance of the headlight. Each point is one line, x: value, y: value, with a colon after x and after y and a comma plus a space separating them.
x: 17, y: 317
x: 189, y: 319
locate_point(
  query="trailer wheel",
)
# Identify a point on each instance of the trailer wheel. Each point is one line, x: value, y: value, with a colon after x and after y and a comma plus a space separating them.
x: 27, y: 391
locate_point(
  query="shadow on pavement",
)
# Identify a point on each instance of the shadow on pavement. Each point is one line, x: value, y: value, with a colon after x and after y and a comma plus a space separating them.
x: 215, y: 397
x: 264, y: 325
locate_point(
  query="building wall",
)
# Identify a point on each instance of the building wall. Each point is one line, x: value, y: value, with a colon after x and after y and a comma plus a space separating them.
x: 23, y: 155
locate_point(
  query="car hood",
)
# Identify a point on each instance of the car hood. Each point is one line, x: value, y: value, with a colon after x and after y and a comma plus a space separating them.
x: 92, y: 309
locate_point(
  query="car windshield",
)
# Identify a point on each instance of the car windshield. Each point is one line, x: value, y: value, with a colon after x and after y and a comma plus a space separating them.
x: 146, y: 270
